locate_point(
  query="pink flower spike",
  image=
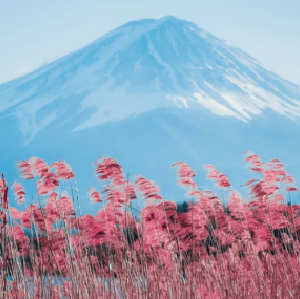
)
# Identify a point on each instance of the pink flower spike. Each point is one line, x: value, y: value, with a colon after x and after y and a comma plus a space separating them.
x: 94, y: 195
x: 212, y: 172
x: 26, y: 171
x: 15, y: 214
x: 290, y: 189
x: 223, y: 182
x: 19, y: 192
x: 63, y: 170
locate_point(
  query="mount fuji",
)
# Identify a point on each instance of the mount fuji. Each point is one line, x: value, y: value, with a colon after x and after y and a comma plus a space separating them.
x: 151, y: 93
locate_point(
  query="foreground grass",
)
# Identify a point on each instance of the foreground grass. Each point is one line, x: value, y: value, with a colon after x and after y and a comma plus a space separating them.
x: 241, y: 250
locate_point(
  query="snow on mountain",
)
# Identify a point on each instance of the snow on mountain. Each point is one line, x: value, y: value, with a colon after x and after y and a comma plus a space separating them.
x: 145, y: 65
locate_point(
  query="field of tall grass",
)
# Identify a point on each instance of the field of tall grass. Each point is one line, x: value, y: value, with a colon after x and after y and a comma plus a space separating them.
x: 213, y: 247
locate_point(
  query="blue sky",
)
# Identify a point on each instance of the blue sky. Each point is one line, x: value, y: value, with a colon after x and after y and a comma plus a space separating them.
x: 35, y: 32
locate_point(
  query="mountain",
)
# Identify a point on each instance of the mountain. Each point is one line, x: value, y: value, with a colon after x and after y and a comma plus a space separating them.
x: 151, y: 93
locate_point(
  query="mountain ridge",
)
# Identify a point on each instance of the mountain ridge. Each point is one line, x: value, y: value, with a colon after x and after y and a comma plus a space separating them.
x: 173, y: 59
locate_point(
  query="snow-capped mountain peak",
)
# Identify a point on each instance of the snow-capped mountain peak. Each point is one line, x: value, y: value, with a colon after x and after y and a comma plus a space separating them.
x: 145, y: 65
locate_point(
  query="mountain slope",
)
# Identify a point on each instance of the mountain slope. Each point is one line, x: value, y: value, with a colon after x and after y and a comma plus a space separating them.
x: 150, y: 93
x: 148, y: 64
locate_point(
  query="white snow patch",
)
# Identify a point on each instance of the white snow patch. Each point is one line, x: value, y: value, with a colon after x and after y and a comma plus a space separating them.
x: 30, y: 126
x: 214, y: 106
x: 118, y: 105
x: 180, y: 101
x: 266, y: 99
x: 241, y: 103
x: 220, y: 53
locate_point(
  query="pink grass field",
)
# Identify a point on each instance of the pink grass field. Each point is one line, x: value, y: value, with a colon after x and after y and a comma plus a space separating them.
x: 226, y: 247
